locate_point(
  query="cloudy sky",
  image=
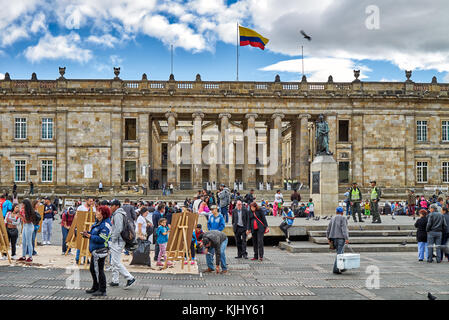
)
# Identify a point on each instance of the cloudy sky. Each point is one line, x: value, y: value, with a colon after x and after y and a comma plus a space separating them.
x: 382, y: 38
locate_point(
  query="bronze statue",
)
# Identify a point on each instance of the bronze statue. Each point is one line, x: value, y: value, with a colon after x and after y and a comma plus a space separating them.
x: 322, y: 137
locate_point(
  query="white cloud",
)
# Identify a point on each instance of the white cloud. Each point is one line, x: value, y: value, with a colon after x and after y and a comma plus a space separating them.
x: 115, y: 60
x: 412, y: 35
x: 178, y: 34
x: 319, y: 69
x: 38, y: 23
x: 59, y: 47
x: 2, y: 76
x: 105, y: 40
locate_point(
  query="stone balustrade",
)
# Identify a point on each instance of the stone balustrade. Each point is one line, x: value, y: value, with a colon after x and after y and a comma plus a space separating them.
x: 226, y: 88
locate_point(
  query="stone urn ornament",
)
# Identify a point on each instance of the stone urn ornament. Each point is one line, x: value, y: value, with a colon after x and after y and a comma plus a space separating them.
x: 116, y: 72
x: 62, y: 73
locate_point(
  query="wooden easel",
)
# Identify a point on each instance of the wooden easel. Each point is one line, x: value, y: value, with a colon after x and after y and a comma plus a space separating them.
x: 4, y: 241
x: 179, y: 239
x: 71, y: 236
x: 83, y: 221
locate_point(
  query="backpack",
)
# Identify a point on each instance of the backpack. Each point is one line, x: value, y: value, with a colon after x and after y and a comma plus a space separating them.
x: 36, y: 218
x: 128, y: 233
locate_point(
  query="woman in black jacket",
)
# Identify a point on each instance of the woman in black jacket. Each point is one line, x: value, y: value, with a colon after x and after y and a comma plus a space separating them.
x: 421, y: 234
x: 257, y: 224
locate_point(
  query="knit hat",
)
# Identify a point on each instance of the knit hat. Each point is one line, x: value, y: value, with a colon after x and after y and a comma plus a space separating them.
x: 339, y: 209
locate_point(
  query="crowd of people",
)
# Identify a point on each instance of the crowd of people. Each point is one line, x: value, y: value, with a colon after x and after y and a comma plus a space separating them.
x: 152, y: 222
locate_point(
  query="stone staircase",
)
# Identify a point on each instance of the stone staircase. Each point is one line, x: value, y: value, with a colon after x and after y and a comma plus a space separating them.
x: 362, y: 238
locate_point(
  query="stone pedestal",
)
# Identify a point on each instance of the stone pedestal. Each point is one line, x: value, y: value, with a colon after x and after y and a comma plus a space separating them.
x: 324, y: 185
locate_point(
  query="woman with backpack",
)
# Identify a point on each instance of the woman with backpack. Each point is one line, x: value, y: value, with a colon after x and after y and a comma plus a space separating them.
x: 29, y: 220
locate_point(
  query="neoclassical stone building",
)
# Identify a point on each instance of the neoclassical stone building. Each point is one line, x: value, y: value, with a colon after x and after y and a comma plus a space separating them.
x: 75, y: 133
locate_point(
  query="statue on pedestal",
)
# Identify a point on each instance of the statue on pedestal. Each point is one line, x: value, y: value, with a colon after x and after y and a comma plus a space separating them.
x: 322, y: 137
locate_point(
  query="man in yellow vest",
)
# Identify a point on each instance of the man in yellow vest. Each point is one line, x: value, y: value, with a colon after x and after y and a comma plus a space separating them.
x: 355, y: 197
x: 374, y: 202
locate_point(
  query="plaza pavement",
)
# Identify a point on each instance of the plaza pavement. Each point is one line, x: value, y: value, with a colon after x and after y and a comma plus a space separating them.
x: 282, y: 275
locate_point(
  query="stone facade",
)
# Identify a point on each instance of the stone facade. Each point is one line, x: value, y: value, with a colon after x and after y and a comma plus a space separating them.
x: 250, y: 131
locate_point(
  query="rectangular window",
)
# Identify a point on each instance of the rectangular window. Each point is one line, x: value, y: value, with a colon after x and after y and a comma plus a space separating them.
x: 47, y: 170
x: 343, y: 172
x: 343, y: 130
x: 164, y: 154
x: 421, y: 171
x: 47, y: 128
x: 445, y: 171
x: 20, y: 128
x: 130, y: 171
x: 130, y: 129
x: 445, y: 131
x: 421, y: 130
x: 19, y: 171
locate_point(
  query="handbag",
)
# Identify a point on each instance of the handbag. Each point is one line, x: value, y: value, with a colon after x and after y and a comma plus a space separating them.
x: 255, y: 224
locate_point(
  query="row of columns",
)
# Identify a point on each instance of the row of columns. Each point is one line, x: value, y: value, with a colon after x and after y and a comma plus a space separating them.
x: 225, y: 149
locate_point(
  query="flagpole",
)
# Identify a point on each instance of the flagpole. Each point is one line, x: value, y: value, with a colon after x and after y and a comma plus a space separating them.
x: 302, y: 55
x: 171, y: 59
x: 237, y: 45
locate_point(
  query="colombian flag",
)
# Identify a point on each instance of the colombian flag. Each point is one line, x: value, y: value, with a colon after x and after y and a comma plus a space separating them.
x: 252, y: 38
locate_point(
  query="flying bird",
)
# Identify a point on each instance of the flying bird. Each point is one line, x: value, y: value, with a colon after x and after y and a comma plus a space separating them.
x: 305, y: 35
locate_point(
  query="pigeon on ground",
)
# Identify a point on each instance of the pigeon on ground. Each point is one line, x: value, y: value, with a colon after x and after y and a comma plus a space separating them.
x: 431, y: 296
x: 404, y: 243
x: 305, y: 35
x: 325, y: 217
x: 392, y: 217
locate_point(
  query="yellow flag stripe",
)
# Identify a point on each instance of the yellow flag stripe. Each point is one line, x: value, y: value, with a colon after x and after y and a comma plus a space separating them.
x: 245, y: 32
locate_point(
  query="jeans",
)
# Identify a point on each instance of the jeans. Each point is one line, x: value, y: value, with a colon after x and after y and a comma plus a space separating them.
x: 116, y: 262
x: 27, y: 239
x: 444, y: 239
x: 34, y: 239
x: 225, y: 212
x: 348, y: 208
x: 46, y: 229
x: 156, y: 245
x: 65, y: 232
x: 13, y: 234
x: 340, y: 246
x: 284, y: 227
x: 422, y: 250
x: 434, y: 237
x: 210, y: 256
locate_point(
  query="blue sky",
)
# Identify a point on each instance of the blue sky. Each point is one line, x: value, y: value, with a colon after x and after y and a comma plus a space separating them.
x: 90, y: 38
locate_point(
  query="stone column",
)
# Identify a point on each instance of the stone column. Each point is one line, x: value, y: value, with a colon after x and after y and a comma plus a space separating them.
x: 61, y: 147
x: 144, y: 147
x: 304, y: 150
x: 172, y: 161
x: 277, y: 126
x: 116, y: 150
x: 357, y: 149
x: 249, y: 141
x: 410, y: 138
x: 331, y: 119
x: 197, y: 168
x: 150, y: 171
x: 223, y: 154
x: 295, y: 156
